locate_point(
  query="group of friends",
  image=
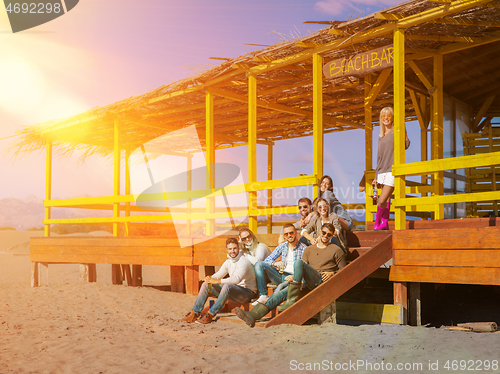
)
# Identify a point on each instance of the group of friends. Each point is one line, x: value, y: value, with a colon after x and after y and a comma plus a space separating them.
x: 309, y: 252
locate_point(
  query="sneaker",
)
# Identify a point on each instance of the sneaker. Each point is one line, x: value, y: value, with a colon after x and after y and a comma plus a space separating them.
x: 190, y: 317
x: 205, y: 319
x: 261, y: 300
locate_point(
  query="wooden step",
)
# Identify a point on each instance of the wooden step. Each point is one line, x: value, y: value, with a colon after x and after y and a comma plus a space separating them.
x: 344, y: 280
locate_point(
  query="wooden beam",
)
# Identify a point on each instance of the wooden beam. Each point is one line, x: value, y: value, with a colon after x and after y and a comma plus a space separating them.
x: 455, y: 47
x: 418, y: 110
x: 467, y: 22
x: 446, y: 38
x: 388, y: 16
x: 48, y: 184
x: 377, y: 86
x: 252, y: 147
x: 317, y: 120
x: 482, y: 111
x: 399, y: 122
x: 420, y: 74
x: 210, y: 159
x: 438, y: 274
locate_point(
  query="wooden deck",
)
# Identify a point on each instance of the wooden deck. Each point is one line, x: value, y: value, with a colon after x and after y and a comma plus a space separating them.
x: 465, y: 251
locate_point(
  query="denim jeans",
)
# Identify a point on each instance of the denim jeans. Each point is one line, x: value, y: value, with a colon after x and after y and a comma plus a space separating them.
x: 223, y: 292
x: 265, y: 272
x: 303, y: 271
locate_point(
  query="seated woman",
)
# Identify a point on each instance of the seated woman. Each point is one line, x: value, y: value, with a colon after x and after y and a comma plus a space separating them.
x: 251, y: 248
x: 326, y: 192
x: 312, y: 231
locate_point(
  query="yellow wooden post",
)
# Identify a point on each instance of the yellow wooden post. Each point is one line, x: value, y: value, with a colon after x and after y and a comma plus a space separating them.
x: 252, y: 148
x: 368, y: 149
x: 189, y: 160
x: 127, y: 190
x: 116, y: 277
x: 210, y: 159
x: 317, y: 120
x: 270, y: 192
x: 399, y: 123
x: 48, y: 184
x: 437, y: 129
x: 116, y: 180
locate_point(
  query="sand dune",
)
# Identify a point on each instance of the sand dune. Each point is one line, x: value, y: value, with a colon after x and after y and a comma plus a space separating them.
x: 68, y: 327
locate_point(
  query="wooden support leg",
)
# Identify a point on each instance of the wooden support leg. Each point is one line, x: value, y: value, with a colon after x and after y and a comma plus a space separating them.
x: 415, y: 304
x: 192, y: 279
x: 43, y: 273
x: 116, y: 274
x: 88, y: 273
x: 137, y: 275
x: 401, y: 298
x: 126, y: 274
x: 177, y: 283
x: 34, y: 274
x: 328, y: 314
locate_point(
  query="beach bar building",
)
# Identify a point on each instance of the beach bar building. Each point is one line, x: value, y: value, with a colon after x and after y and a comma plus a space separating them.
x: 435, y: 62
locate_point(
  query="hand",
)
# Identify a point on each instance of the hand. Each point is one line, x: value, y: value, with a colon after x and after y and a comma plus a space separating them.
x: 210, y: 280
x: 289, y: 278
x: 374, y: 182
x: 326, y: 275
x: 279, y: 265
x: 314, y: 241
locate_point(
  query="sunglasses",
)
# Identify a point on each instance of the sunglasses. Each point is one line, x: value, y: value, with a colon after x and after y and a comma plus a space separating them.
x: 246, y: 238
x: 289, y: 233
x: 384, y: 117
x: 304, y: 206
x: 327, y: 234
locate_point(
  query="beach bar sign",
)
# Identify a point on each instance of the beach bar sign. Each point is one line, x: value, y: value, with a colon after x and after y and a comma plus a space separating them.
x: 361, y: 64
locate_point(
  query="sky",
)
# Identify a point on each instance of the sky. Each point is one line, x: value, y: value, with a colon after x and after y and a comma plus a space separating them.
x: 103, y: 51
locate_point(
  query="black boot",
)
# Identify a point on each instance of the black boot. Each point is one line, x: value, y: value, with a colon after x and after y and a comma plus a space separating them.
x: 293, y: 294
x: 257, y: 312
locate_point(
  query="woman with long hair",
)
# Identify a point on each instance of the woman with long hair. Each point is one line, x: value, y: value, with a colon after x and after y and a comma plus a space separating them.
x: 251, y: 248
x: 325, y: 191
x: 383, y: 174
x: 312, y: 231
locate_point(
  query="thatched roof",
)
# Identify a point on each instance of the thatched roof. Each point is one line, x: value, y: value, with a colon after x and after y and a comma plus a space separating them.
x: 468, y: 39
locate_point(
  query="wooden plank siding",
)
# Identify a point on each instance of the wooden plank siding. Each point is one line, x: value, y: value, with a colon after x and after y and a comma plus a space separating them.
x: 451, y: 255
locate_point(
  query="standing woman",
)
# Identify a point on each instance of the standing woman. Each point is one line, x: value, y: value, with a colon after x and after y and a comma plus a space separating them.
x: 383, y: 173
x: 325, y: 188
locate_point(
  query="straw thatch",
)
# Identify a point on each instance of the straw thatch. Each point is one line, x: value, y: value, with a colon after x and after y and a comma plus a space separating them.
x: 471, y: 75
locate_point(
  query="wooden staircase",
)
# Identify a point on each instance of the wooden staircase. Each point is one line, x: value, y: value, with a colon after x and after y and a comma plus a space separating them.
x: 368, y: 251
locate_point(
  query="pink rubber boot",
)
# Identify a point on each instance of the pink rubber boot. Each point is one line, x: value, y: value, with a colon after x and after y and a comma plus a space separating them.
x: 378, y: 217
x: 384, y: 219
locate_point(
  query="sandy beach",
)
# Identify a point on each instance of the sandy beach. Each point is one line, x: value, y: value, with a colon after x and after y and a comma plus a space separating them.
x: 68, y: 327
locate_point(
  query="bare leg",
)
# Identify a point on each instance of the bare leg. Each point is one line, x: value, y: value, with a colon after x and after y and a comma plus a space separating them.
x: 385, y: 195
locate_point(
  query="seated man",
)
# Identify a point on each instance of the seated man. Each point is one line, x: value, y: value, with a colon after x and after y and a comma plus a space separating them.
x: 319, y: 263
x: 306, y: 212
x: 275, y: 271
x: 240, y: 287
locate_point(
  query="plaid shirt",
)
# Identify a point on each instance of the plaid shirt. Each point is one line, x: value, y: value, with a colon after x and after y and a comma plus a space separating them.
x: 282, y: 250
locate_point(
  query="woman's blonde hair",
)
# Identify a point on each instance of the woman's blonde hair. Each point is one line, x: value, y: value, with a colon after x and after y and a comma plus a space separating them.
x: 389, y: 109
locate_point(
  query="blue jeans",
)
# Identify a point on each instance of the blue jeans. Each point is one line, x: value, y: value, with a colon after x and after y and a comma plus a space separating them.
x: 223, y: 292
x: 265, y: 272
x: 301, y: 271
